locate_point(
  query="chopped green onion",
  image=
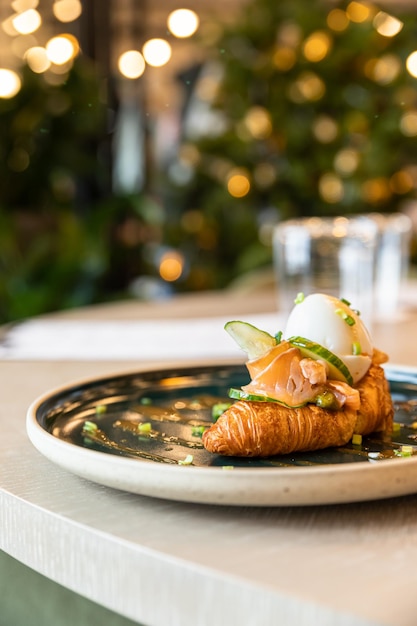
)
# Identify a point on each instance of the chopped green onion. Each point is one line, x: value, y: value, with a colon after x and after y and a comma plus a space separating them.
x: 345, y: 301
x: 218, y: 409
x: 197, y: 431
x: 187, y: 461
x: 396, y: 426
x: 404, y: 451
x: 100, y: 409
x: 146, y: 400
x: 228, y: 467
x: 345, y: 316
x: 144, y: 427
x: 357, y: 439
x: 278, y: 336
x: 89, y: 427
x: 356, y: 348
x: 299, y: 298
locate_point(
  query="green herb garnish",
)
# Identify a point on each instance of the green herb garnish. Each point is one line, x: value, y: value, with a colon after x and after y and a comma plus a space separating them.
x: 187, y: 461
x: 144, y: 427
x: 299, y: 298
x: 345, y: 316
x: 278, y: 336
x: 197, y: 431
x: 218, y: 409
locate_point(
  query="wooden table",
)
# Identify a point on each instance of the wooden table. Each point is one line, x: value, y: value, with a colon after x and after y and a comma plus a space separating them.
x: 160, y: 562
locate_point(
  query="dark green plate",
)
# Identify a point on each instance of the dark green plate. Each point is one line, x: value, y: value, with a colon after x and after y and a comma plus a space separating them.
x: 150, y: 423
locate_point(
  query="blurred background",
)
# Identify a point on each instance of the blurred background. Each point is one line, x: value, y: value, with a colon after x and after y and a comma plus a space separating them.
x: 149, y: 147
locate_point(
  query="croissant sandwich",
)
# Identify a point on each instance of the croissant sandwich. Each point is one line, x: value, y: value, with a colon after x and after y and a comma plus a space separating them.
x: 305, y: 394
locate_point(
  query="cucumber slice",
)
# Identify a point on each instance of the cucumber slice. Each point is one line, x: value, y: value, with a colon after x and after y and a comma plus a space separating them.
x: 239, y: 394
x: 337, y: 369
x: 252, y: 340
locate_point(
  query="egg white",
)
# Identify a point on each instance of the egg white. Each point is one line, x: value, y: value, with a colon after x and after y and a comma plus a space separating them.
x: 316, y: 319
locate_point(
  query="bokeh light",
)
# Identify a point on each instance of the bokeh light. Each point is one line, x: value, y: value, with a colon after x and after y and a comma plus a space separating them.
x: 131, y: 64
x: 183, y: 23
x: 67, y: 10
x: 284, y: 58
x: 171, y: 266
x: 337, y: 20
x: 358, y: 12
x: 27, y: 22
x: 401, y: 182
x: 308, y: 87
x: 325, y: 129
x: 411, y: 64
x: 346, y: 161
x: 387, y: 25
x: 317, y: 46
x: 10, y: 83
x: 258, y: 122
x: 331, y: 188
x: 37, y: 59
x: 238, y: 184
x: 376, y: 190
x: 157, y: 52
x: 408, y: 124
x: 61, y: 49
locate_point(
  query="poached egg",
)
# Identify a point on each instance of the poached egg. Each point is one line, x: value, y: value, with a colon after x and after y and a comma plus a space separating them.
x: 332, y: 323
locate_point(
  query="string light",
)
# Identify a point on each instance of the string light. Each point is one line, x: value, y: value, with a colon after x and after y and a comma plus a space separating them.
x: 183, y: 23
x: 131, y: 64
x: 10, y: 83
x: 67, y: 10
x: 27, y: 22
x: 157, y: 52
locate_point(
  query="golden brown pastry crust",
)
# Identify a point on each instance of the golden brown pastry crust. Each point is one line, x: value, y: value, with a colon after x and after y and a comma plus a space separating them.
x: 266, y: 428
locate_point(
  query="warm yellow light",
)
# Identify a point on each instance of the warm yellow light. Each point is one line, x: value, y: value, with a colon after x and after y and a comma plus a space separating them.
x: 27, y: 22
x: 183, y: 23
x: 258, y: 122
x: 337, y: 20
x: 346, y: 161
x: 308, y: 86
x: 8, y: 28
x: 317, y: 46
x: 408, y: 124
x: 411, y: 64
x: 401, y: 182
x: 157, y: 52
x: 358, y: 12
x: 383, y: 70
x: 284, y: 58
x: 131, y: 64
x: 67, y: 10
x: 325, y: 129
x: 61, y: 49
x: 387, y: 25
x: 376, y: 190
x: 23, y: 5
x: 331, y: 188
x: 10, y: 83
x: 238, y: 185
x: 37, y: 59
x: 171, y: 266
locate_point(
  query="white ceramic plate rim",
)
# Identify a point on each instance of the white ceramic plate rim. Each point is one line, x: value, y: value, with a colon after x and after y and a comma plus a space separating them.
x: 287, y: 486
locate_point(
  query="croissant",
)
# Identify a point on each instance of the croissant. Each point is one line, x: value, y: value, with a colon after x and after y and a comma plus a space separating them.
x: 262, y: 429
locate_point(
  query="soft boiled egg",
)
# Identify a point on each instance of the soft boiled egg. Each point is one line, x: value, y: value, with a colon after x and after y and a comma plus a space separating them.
x: 331, y: 322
